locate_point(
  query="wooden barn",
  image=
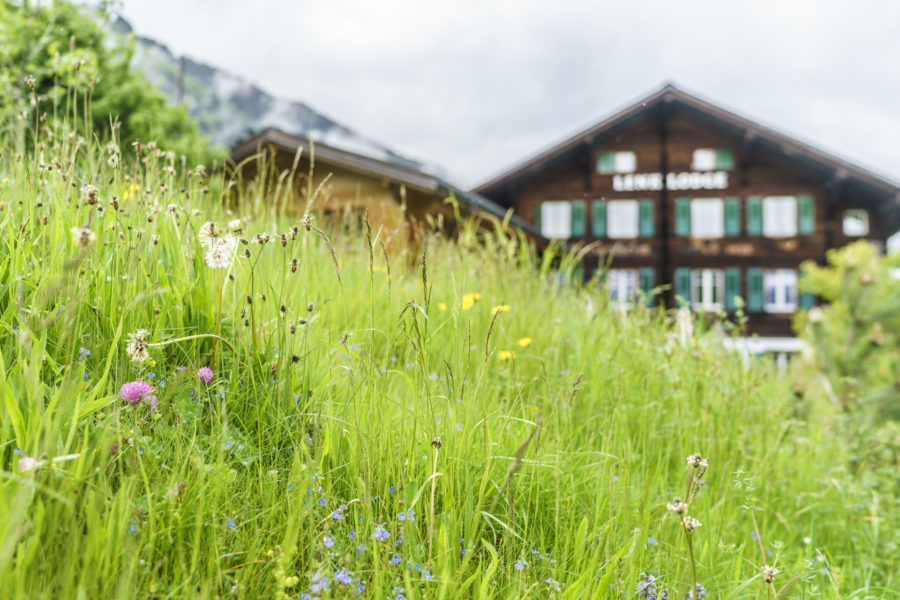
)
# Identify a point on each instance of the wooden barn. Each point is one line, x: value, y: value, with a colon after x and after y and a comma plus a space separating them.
x: 676, y: 190
x: 400, y: 200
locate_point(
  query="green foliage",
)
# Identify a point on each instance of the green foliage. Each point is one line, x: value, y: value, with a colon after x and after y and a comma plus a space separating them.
x: 59, y: 72
x: 856, y: 334
x: 564, y: 423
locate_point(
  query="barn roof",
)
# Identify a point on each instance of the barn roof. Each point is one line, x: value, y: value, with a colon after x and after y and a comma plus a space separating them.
x: 669, y: 94
x: 374, y: 167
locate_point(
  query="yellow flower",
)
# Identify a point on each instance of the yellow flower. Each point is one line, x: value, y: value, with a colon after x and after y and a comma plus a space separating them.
x: 379, y: 269
x: 500, y: 308
x: 129, y: 191
x: 524, y: 342
x: 469, y: 300
x: 506, y: 355
x: 442, y: 306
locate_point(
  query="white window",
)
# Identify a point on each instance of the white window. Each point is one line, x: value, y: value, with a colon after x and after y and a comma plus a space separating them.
x: 856, y: 222
x: 622, y: 219
x: 707, y: 218
x: 556, y: 220
x: 625, y: 162
x: 780, y: 216
x: 780, y: 291
x: 622, y: 284
x: 704, y: 159
x: 707, y: 289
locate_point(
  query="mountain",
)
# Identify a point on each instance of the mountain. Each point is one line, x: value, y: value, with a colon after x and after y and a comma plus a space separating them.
x: 230, y: 108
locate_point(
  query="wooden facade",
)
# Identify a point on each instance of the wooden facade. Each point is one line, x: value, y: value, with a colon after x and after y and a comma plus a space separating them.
x: 706, y: 201
x: 400, y: 201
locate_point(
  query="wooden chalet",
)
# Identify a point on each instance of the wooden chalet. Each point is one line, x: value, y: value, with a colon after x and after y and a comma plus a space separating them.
x: 676, y: 190
x: 398, y: 198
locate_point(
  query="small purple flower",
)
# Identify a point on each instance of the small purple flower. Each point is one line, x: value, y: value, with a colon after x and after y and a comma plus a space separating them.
x: 360, y: 587
x: 205, y: 374
x: 322, y: 502
x: 652, y: 541
x: 328, y: 542
x: 343, y: 576
x: 381, y: 534
x: 134, y: 391
x: 426, y: 574
x: 230, y: 524
x: 27, y: 463
x: 521, y: 564
x: 395, y: 559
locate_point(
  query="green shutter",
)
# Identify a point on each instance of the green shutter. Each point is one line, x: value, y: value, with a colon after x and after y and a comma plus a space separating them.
x: 732, y: 288
x: 732, y: 215
x: 683, y: 286
x: 807, y: 300
x: 537, y: 217
x: 754, y: 290
x: 754, y: 215
x: 606, y: 163
x: 682, y: 216
x: 598, y: 218
x: 579, y: 218
x: 647, y: 279
x: 806, y: 215
x: 724, y: 159
x: 645, y: 224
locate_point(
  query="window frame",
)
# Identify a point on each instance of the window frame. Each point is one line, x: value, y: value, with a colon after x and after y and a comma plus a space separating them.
x: 768, y: 206
x: 709, y: 201
x: 614, y: 207
x: 557, y: 204
x: 710, y: 283
x: 783, y: 284
x: 627, y: 280
x: 709, y: 152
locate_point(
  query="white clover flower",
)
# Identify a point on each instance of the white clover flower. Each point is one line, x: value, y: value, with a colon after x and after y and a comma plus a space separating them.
x: 690, y: 524
x: 220, y: 254
x: 82, y: 236
x: 137, y: 346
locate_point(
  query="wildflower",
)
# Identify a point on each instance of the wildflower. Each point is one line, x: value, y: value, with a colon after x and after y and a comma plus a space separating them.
x: 360, y: 588
x: 652, y: 541
x: 469, y: 300
x: 426, y: 574
x: 322, y: 502
x: 695, y: 460
x: 379, y: 269
x: 552, y: 583
x: 220, y: 252
x: 328, y: 542
x: 442, y: 306
x: 207, y: 234
x: 83, y: 353
x: 769, y: 573
x: 678, y: 507
x: 82, y: 236
x: 690, y: 524
x: 137, y: 345
x: 395, y: 559
x: 230, y: 524
x: 135, y: 391
x: 506, y: 355
x: 235, y: 225
x: 343, y: 576
x: 399, y: 593
x: 701, y: 593
x: 89, y: 194
x: 403, y: 516
x: 524, y: 342
x: 500, y: 308
x: 381, y: 534
x: 205, y: 374
x: 26, y: 463
x: 520, y: 564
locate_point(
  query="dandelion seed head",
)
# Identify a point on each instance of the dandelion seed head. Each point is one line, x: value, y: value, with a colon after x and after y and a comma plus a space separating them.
x: 137, y: 345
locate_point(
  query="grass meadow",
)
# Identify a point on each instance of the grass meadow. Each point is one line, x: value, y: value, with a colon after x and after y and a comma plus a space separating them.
x: 331, y: 414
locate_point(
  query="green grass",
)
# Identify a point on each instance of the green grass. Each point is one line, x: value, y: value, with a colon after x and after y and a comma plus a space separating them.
x: 564, y: 456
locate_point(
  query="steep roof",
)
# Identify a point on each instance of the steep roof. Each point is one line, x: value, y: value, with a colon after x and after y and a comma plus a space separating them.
x: 367, y: 165
x: 669, y: 93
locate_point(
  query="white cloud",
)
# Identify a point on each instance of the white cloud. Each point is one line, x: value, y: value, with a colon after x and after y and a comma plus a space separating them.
x: 477, y: 85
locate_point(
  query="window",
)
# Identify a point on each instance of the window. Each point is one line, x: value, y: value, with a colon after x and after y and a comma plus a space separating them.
x: 779, y: 216
x: 704, y: 159
x: 556, y: 220
x: 856, y: 222
x: 616, y: 162
x: 707, y: 289
x: 622, y: 284
x: 712, y: 159
x: 780, y: 290
x: 622, y: 219
x: 707, y: 218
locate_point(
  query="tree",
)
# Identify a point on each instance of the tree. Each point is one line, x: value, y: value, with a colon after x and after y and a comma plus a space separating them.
x: 60, y: 71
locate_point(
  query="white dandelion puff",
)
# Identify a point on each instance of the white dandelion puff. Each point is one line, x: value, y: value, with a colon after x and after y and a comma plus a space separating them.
x: 82, y: 236
x: 208, y: 232
x: 221, y: 252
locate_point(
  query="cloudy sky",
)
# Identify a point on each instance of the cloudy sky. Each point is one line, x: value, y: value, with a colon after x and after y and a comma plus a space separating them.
x: 477, y: 85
